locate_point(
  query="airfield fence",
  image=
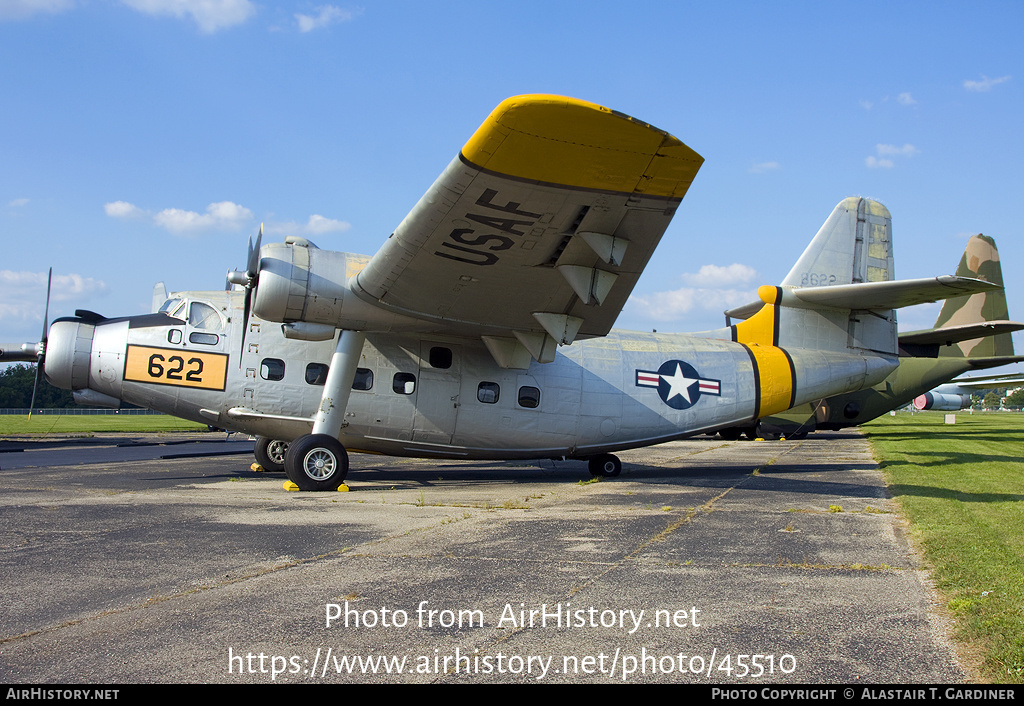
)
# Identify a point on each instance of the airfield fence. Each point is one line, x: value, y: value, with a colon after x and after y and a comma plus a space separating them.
x: 75, y: 410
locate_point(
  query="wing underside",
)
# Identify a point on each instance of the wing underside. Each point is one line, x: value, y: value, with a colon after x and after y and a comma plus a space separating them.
x: 537, y: 232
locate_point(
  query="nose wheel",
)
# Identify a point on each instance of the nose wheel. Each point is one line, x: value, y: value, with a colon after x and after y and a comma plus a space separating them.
x: 316, y: 462
x: 605, y: 466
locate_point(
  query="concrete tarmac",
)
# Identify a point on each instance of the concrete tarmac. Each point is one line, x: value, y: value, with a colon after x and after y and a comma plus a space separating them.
x: 704, y: 562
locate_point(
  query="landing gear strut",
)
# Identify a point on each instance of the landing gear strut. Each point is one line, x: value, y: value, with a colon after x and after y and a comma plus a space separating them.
x: 605, y: 466
x: 318, y: 461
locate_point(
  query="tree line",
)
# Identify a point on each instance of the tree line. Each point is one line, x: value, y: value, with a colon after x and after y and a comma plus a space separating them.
x: 16, y: 389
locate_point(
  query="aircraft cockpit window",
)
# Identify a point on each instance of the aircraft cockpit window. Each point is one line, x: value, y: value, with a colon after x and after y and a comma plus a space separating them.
x: 272, y: 369
x: 363, y: 379
x: 529, y: 397
x: 316, y: 373
x: 488, y: 392
x: 440, y: 357
x: 174, y: 336
x: 173, y: 307
x: 404, y: 383
x: 205, y: 317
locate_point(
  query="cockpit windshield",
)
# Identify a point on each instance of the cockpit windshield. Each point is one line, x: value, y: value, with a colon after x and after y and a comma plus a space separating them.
x: 173, y: 307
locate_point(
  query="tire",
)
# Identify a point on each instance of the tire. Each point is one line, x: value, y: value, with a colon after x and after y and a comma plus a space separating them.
x: 270, y: 453
x: 605, y: 466
x: 316, y: 462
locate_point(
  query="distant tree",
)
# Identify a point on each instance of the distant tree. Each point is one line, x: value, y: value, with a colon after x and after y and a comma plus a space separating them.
x: 1015, y: 400
x: 16, y: 389
x: 992, y: 401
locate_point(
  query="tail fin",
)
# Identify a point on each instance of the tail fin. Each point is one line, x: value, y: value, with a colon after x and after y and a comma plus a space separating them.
x: 981, y: 261
x: 854, y: 245
x: 833, y: 320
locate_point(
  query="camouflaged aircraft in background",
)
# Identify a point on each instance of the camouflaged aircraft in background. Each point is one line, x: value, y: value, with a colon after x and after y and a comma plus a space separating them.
x: 972, y: 332
x: 483, y: 326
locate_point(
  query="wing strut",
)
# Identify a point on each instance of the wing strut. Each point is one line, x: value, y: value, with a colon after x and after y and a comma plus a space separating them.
x: 318, y: 461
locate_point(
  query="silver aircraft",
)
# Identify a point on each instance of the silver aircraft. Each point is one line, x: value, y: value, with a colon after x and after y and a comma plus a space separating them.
x: 482, y: 328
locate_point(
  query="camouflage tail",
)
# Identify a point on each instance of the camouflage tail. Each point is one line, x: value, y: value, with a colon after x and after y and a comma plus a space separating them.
x: 981, y: 261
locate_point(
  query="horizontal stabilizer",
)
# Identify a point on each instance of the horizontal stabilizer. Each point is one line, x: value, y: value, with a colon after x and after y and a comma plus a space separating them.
x: 893, y: 294
x: 994, y: 361
x: 947, y: 335
x: 986, y: 381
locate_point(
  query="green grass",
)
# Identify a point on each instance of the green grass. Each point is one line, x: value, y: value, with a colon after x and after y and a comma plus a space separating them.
x: 93, y: 423
x: 962, y: 488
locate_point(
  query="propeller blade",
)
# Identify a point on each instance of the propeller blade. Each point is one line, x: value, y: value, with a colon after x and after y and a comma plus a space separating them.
x: 252, y: 270
x: 41, y: 356
x: 253, y: 263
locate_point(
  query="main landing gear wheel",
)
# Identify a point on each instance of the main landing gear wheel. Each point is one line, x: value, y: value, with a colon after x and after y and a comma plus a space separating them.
x: 270, y: 453
x: 605, y: 466
x: 316, y: 462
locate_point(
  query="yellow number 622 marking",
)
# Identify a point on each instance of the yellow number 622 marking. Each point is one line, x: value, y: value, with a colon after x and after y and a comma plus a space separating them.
x: 174, y: 366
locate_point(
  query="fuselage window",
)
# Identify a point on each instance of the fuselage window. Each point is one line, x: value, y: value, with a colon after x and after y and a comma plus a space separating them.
x: 205, y: 317
x: 363, y: 379
x: 440, y: 357
x: 174, y: 336
x: 207, y: 339
x: 316, y: 373
x: 404, y: 383
x: 487, y: 392
x: 529, y: 397
x: 272, y: 369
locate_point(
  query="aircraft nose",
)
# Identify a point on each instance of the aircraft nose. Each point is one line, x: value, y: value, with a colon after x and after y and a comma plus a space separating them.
x: 68, y: 349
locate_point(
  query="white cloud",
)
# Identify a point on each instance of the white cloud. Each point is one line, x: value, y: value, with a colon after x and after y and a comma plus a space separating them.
x: 884, y: 152
x: 985, y: 84
x: 209, y: 15
x: 762, y: 167
x: 676, y: 304
x: 122, y: 209
x: 316, y: 225
x: 866, y: 104
x: 326, y: 15
x: 17, y: 203
x: 23, y: 294
x: 712, y: 289
x: 223, y: 215
x: 23, y: 9
x: 905, y: 99
x: 714, y: 276
x: 906, y: 150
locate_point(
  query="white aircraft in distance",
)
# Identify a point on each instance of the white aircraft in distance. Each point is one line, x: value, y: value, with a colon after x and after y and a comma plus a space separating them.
x: 482, y: 328
x: 956, y: 394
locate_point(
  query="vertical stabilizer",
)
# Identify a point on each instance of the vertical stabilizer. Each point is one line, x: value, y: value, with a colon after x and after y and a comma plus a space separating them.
x: 854, y: 245
x: 981, y: 261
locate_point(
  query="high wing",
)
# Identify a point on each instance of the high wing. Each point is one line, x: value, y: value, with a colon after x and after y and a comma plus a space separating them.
x: 538, y: 230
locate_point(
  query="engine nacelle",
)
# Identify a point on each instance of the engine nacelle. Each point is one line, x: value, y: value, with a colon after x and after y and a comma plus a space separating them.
x: 299, y: 282
x: 940, y: 401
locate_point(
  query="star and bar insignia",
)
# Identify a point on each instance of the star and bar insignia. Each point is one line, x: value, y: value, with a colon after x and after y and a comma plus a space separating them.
x: 679, y: 384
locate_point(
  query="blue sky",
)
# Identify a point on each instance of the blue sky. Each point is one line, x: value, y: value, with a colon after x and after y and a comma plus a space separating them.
x: 145, y: 140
